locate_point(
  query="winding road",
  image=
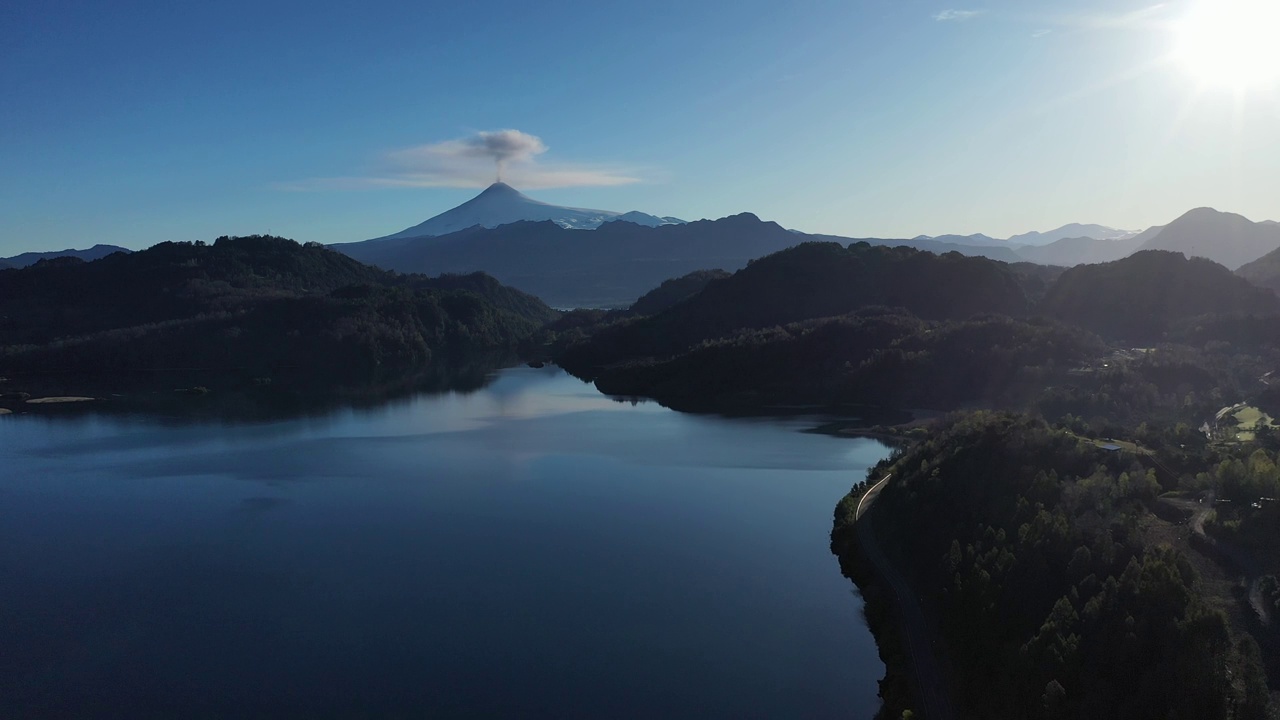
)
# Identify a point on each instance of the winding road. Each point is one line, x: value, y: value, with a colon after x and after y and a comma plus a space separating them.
x: 930, y: 690
x: 1242, y: 560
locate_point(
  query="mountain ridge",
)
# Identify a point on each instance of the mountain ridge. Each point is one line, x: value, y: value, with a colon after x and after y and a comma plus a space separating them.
x: 1229, y: 239
x: 533, y: 245
x: 500, y: 204
x: 1068, y: 231
x: 258, y: 302
x: 88, y: 255
x: 1140, y: 297
x: 609, y: 266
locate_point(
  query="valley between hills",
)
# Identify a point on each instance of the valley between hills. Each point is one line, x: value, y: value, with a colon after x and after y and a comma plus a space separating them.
x: 1075, y: 498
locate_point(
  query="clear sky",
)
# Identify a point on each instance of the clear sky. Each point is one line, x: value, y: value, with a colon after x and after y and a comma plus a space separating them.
x: 136, y: 122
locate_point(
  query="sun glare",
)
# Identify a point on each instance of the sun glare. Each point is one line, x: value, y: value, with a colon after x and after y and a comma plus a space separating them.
x: 1231, y: 43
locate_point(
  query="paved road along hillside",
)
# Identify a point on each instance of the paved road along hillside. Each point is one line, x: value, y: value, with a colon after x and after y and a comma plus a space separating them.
x: 930, y: 690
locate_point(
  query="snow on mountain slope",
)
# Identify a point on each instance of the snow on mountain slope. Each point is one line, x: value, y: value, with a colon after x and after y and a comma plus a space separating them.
x: 646, y: 219
x: 501, y: 204
x: 1072, y: 231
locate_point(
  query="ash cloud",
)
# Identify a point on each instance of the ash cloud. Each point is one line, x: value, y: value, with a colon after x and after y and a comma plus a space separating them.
x: 473, y: 161
x: 504, y: 146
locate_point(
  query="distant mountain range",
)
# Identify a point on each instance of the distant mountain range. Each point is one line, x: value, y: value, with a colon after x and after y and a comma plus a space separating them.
x: 1074, y: 230
x: 539, y: 248
x: 575, y: 257
x: 501, y: 204
x: 978, y: 240
x: 610, y: 266
x: 31, y: 258
x: 1034, y: 239
x: 1225, y: 238
x: 1072, y: 251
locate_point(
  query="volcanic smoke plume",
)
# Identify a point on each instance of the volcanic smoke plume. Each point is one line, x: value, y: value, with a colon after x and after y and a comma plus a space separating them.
x: 503, y: 146
x: 464, y: 162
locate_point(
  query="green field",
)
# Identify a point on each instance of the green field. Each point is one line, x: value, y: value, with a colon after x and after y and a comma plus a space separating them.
x: 1248, y: 420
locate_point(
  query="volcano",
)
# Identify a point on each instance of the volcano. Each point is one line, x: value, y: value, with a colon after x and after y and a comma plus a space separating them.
x: 501, y: 204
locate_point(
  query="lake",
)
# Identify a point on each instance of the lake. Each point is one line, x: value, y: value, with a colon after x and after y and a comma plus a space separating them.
x: 531, y: 549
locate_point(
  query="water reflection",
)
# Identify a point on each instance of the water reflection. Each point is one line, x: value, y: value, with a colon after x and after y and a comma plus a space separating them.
x: 195, y: 396
x: 531, y: 549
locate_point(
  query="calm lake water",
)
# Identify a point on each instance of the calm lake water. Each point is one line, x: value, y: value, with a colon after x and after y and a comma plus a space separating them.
x: 532, y: 549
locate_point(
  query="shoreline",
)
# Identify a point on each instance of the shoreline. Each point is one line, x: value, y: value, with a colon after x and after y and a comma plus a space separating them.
x: 883, y: 621
x: 913, y: 679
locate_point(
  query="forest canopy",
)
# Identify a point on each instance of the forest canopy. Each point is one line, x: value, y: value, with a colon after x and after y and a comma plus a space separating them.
x: 252, y: 303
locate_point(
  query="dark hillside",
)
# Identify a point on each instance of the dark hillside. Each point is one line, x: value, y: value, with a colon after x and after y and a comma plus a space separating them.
x: 252, y: 302
x: 1036, y: 280
x: 1027, y: 546
x: 887, y: 359
x: 1263, y: 272
x: 170, y: 281
x: 1138, y: 299
x: 674, y: 291
x: 814, y: 280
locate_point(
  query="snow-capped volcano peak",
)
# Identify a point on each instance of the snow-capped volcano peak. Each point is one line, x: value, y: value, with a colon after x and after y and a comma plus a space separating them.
x: 502, y: 190
x: 501, y: 204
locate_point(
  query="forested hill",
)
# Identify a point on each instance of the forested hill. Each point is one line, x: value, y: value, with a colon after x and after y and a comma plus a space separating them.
x: 1144, y: 298
x: 822, y: 279
x: 255, y: 302
x: 896, y: 327
x: 816, y: 280
x: 673, y: 291
x: 1030, y: 546
x: 1138, y: 299
x: 1263, y: 272
x: 872, y: 357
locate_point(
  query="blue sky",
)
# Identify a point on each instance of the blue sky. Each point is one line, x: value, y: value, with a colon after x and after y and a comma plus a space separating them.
x: 136, y: 122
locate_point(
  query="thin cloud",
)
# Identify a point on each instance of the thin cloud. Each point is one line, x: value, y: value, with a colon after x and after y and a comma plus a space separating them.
x: 957, y: 15
x: 471, y: 162
x: 1041, y: 33
x: 1144, y: 16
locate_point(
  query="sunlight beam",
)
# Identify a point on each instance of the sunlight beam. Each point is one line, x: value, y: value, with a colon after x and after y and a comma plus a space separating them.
x: 1230, y: 44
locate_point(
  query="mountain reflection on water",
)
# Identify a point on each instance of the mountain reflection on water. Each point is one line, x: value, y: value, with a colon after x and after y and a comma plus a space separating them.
x: 185, y: 396
x: 529, y: 548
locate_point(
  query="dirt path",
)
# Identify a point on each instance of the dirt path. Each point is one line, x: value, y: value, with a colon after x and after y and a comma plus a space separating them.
x: 1242, y: 560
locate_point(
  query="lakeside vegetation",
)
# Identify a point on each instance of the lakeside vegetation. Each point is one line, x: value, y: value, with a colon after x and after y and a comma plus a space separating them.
x: 1057, y: 600
x: 894, y: 326
x: 258, y: 308
x: 1100, y: 555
